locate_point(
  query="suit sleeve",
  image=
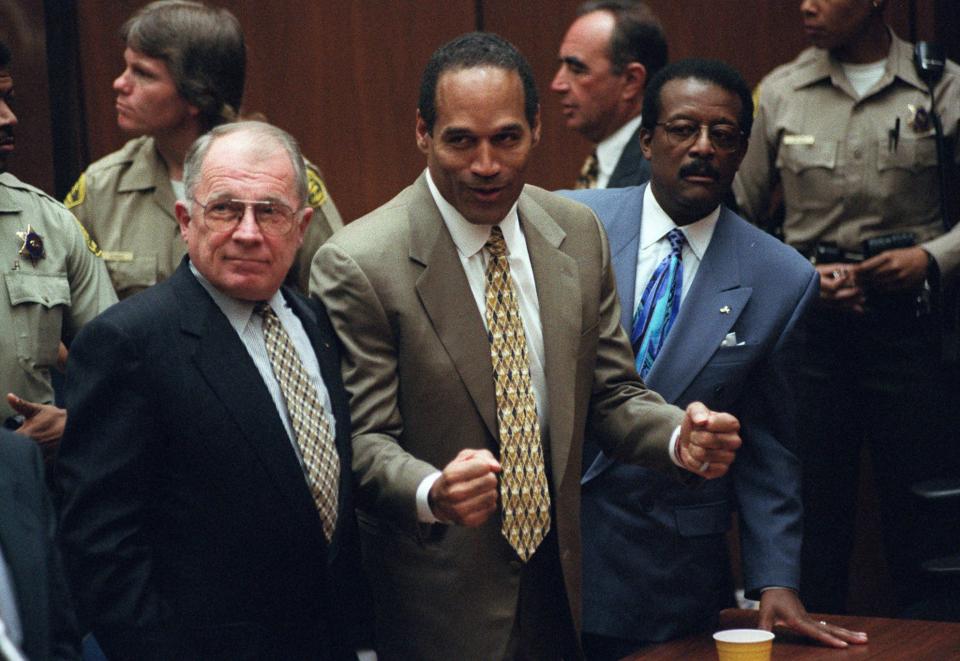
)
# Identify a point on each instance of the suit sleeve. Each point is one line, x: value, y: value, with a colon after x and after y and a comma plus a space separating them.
x: 766, y: 474
x: 103, y: 471
x: 387, y: 475
x: 629, y: 421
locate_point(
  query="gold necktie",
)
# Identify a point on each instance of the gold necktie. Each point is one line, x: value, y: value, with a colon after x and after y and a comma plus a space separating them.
x: 310, y: 426
x: 589, y: 173
x: 524, y: 494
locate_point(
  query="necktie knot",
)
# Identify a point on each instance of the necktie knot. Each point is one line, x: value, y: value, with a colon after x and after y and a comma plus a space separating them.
x: 676, y: 239
x: 495, y: 244
x: 264, y: 310
x: 589, y: 172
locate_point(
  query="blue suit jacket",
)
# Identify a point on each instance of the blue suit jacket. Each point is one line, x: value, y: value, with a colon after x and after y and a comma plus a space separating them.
x: 654, y: 553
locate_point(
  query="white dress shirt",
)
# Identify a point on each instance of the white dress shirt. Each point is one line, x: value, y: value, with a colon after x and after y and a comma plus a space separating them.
x: 470, y: 239
x: 249, y: 327
x: 611, y: 148
x: 654, y: 245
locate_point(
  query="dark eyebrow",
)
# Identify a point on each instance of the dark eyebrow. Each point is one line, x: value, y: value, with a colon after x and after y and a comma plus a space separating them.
x: 455, y: 131
x: 574, y: 62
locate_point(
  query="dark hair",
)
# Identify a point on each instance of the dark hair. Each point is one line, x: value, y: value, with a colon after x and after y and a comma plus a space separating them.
x: 475, y: 49
x: 710, y: 71
x: 203, y: 48
x: 5, y: 55
x: 637, y: 34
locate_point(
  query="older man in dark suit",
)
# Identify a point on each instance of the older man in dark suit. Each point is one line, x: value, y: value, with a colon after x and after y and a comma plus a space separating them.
x: 207, y: 508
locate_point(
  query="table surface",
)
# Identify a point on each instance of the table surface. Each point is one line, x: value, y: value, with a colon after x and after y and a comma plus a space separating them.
x: 890, y: 640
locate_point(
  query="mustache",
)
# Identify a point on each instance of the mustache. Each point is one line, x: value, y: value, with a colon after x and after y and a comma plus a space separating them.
x: 699, y: 169
x: 6, y: 132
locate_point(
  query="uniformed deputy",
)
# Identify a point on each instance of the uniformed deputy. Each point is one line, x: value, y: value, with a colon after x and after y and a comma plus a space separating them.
x: 184, y: 74
x: 846, y: 129
x: 52, y: 283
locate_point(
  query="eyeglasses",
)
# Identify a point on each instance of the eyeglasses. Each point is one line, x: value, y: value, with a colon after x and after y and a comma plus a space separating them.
x: 682, y: 132
x: 224, y: 214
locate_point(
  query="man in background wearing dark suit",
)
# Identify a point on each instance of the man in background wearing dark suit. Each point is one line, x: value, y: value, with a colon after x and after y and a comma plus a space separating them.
x: 207, y: 510
x: 35, y: 610
x: 607, y: 56
x: 655, y: 557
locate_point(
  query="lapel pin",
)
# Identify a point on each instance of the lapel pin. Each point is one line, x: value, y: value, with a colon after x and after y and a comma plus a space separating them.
x: 32, y: 247
x: 725, y: 309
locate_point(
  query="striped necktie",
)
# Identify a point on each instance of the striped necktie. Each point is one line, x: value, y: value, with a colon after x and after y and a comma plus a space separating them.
x: 307, y: 417
x: 524, y: 494
x: 588, y: 173
x: 659, y: 305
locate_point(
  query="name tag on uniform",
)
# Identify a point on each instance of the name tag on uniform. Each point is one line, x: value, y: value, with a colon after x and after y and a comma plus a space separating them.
x: 798, y: 140
x: 117, y: 256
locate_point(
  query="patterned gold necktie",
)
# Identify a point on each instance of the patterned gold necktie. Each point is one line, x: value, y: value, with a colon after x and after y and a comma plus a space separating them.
x: 588, y: 173
x: 307, y: 417
x: 524, y: 494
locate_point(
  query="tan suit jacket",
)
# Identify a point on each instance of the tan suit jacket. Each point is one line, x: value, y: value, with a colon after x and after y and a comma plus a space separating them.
x: 417, y: 367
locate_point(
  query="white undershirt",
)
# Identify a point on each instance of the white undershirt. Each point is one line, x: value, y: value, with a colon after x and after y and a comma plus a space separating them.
x: 610, y: 149
x: 864, y: 76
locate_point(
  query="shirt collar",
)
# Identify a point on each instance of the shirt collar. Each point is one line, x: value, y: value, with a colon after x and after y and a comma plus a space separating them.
x: 238, y: 313
x: 470, y: 237
x: 899, y: 64
x: 610, y: 148
x: 656, y: 224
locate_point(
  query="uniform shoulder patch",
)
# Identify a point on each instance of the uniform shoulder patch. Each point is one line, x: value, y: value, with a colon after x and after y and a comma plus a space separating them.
x: 316, y: 189
x: 77, y: 195
x: 91, y: 244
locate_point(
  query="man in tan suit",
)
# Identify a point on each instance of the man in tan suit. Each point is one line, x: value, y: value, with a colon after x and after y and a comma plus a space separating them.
x: 421, y: 298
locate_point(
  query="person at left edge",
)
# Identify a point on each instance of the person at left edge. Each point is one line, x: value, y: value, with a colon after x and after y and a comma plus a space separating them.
x: 53, y: 283
x: 655, y: 554
x: 454, y: 388
x: 203, y: 516
x: 35, y: 610
x: 183, y: 74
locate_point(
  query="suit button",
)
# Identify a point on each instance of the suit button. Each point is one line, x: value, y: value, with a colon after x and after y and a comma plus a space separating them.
x: 717, y: 389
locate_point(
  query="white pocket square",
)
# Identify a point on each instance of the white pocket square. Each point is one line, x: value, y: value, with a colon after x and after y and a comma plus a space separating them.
x: 731, y: 341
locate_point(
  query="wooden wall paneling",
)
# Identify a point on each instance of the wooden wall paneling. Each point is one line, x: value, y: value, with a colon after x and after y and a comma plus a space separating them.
x: 344, y: 79
x: 536, y: 27
x: 22, y: 29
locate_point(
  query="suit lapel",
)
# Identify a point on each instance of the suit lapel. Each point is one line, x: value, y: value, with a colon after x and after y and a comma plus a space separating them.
x: 558, y: 292
x: 322, y: 338
x: 712, y: 306
x: 632, y: 169
x: 448, y: 302
x: 229, y: 371
x: 623, y: 233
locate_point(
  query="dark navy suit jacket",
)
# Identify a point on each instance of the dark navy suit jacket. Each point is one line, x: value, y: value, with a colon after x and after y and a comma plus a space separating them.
x: 654, y: 553
x: 632, y: 168
x: 27, y: 525
x: 188, y: 527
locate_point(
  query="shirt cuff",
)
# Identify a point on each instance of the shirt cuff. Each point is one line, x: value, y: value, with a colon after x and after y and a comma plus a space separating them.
x: 424, y: 513
x: 675, y: 447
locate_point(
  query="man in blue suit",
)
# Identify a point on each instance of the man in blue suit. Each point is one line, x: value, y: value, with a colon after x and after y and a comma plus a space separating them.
x: 654, y: 553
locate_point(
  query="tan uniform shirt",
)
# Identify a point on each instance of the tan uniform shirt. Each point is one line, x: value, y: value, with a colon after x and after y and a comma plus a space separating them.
x: 44, y: 299
x: 845, y: 179
x: 126, y: 203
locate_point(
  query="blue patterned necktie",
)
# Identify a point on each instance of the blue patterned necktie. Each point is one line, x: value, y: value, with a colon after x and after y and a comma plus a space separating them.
x: 659, y: 305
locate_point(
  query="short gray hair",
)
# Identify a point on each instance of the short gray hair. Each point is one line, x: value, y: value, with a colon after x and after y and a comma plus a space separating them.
x: 264, y: 137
